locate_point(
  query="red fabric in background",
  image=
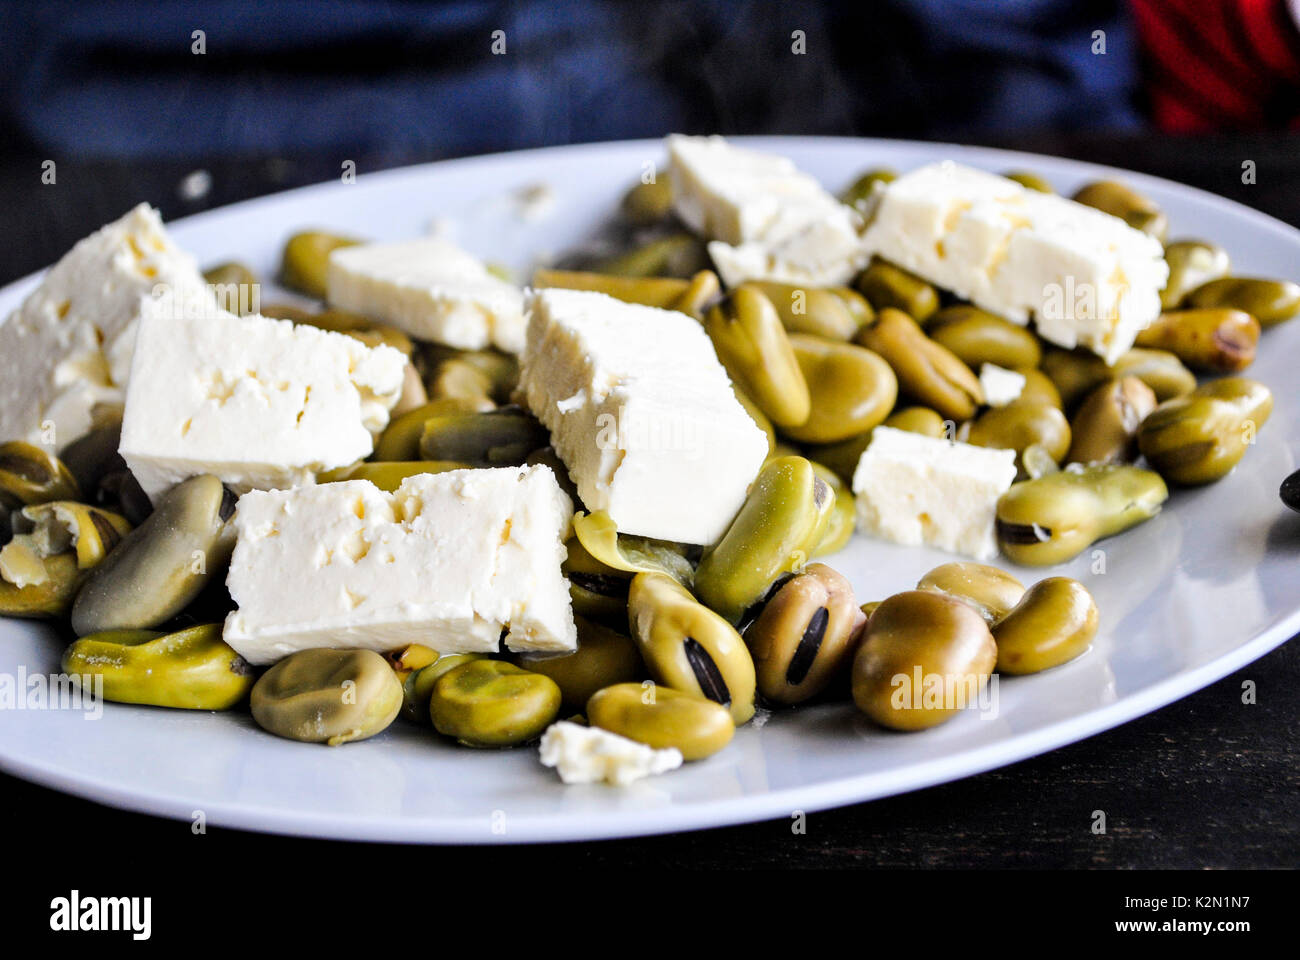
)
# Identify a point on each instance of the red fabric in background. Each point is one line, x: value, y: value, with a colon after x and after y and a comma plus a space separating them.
x: 1220, y: 64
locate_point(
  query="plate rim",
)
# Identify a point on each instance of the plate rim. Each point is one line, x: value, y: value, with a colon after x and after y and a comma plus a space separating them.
x: 714, y: 813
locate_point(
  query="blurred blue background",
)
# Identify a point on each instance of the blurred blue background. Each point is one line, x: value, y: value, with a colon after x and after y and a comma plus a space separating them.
x: 391, y: 78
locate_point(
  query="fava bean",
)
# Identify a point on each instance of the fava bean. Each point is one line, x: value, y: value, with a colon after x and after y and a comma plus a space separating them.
x: 852, y: 389
x: 924, y: 656
x: 1055, y: 517
x: 688, y: 647
x: 1268, y: 301
x: 492, y: 703
x: 1019, y: 424
x: 977, y: 337
x: 1191, y: 264
x: 804, y: 635
x: 1120, y: 200
x: 498, y: 438
x: 885, y: 285
x: 756, y: 352
x: 327, y: 696
x: 1054, y: 622
x: 30, y: 474
x: 1221, y: 340
x: 781, y: 522
x: 926, y: 370
x: 992, y: 592
x: 191, y: 669
x: 604, y: 657
x: 306, y: 261
x: 161, y: 565
x: 1104, y: 429
x: 662, y: 717
x: 1199, y: 438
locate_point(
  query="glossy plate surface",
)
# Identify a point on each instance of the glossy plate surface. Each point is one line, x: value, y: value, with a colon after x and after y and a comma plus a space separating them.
x: 1207, y: 586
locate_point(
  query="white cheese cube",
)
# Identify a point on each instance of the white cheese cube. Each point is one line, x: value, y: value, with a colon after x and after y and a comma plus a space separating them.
x: 450, y: 560
x: 1000, y: 385
x: 767, y: 220
x: 641, y: 412
x: 1087, y: 278
x: 592, y: 755
x: 431, y: 289
x: 913, y: 489
x: 68, y: 346
x: 260, y: 403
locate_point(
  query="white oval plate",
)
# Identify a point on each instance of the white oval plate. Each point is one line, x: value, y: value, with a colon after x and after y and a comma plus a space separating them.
x: 1194, y: 594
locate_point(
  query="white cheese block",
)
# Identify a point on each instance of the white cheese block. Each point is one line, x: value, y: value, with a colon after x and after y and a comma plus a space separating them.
x: 260, y: 403
x: 592, y: 755
x: 641, y: 412
x: 1087, y: 278
x: 68, y: 346
x: 430, y: 288
x: 1000, y: 385
x: 914, y: 490
x: 450, y: 560
x: 767, y: 220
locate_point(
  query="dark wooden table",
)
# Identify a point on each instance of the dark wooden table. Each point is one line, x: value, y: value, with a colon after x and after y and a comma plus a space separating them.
x: 1206, y: 782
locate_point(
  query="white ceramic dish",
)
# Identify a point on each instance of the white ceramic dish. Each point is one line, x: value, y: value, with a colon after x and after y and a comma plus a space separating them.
x: 1187, y: 598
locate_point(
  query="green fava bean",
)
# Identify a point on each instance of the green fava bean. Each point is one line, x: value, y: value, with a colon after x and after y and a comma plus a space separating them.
x: 860, y: 190
x: 832, y: 313
x: 885, y: 285
x: 922, y: 420
x: 1053, y: 623
x: 923, y: 657
x: 688, y: 647
x: 327, y: 696
x: 852, y: 390
x: 992, y: 592
x: 1191, y: 264
x: 1019, y: 424
x: 600, y: 537
x: 1052, y: 518
x: 843, y: 518
x: 841, y: 458
x: 782, y: 520
x: 417, y: 686
x: 401, y: 438
x: 676, y: 255
x: 646, y: 204
x: 1039, y: 387
x: 30, y: 474
x: 662, y: 717
x: 1199, y: 438
x: 596, y: 589
x: 926, y: 370
x: 1119, y: 200
x: 161, y: 565
x: 305, y: 264
x: 1222, y: 340
x: 977, y: 337
x: 190, y: 669
x: 492, y: 703
x: 50, y: 594
x: 804, y: 635
x: 389, y: 476
x: 1077, y: 373
x: 498, y: 438
x: 1268, y: 301
x: 666, y: 293
x: 1104, y: 429
x: 603, y: 657
x: 1031, y: 181
x: 755, y: 350
x: 235, y: 286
